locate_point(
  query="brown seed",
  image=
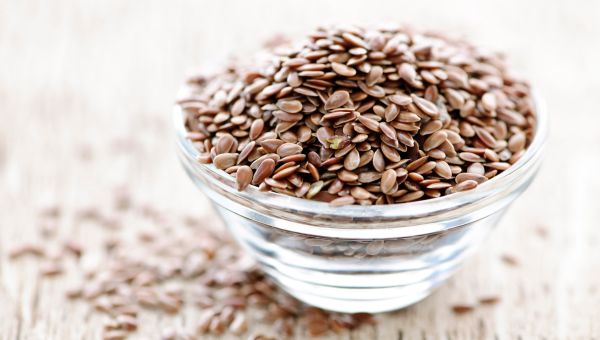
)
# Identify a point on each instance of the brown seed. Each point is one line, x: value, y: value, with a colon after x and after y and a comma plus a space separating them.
x: 374, y: 75
x: 489, y: 300
x: 225, y: 160
x: 407, y: 72
x: 243, y: 177
x: 337, y: 99
x: 516, y: 142
x: 488, y: 101
x: 246, y: 151
x: 347, y: 176
x: 411, y: 196
x: 225, y: 144
x: 443, y: 169
x: 391, y: 112
x: 486, y: 138
x: 388, y: 181
x: 256, y: 128
x: 436, y: 139
x: 465, y: 176
x: 280, y: 174
x: 343, y: 70
x: 290, y: 106
x: 470, y: 157
x: 466, y: 185
x: 387, y: 130
x: 315, y: 188
x: 265, y: 169
x: 390, y: 153
x: 428, y: 107
x: 288, y: 149
x: 26, y: 249
x: 344, y: 200
x: 369, y: 123
x: 476, y: 168
x: 400, y: 99
x: 462, y: 309
x: 352, y: 160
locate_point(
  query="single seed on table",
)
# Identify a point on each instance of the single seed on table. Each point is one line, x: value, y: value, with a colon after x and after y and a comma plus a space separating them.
x: 337, y: 99
x: 462, y: 309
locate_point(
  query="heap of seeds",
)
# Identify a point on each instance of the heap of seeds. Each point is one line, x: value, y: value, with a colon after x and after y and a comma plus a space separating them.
x: 169, y: 268
x: 363, y: 116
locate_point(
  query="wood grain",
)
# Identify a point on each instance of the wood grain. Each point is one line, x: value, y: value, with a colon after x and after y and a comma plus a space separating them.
x: 86, y: 89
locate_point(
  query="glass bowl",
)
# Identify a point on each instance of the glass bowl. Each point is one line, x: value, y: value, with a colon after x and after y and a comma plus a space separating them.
x: 361, y: 258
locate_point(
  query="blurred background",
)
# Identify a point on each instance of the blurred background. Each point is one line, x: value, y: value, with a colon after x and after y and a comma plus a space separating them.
x: 86, y: 91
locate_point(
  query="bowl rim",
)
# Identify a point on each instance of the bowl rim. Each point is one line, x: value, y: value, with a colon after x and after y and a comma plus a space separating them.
x: 417, y: 209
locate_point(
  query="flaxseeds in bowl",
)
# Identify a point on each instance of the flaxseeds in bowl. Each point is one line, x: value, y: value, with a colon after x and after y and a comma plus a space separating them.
x: 308, y: 151
x: 363, y: 116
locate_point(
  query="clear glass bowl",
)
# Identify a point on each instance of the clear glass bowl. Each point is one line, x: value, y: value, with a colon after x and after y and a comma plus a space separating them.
x: 361, y: 258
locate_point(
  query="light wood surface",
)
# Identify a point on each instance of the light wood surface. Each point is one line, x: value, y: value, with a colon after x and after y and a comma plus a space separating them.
x: 86, y: 89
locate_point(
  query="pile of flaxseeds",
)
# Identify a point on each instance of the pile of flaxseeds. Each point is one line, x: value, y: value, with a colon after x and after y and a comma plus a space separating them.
x: 362, y: 116
x: 167, y: 267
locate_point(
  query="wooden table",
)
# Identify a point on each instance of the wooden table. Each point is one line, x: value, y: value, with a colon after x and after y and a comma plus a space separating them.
x: 86, y: 89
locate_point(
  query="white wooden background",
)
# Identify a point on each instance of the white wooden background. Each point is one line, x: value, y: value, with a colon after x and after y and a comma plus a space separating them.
x: 95, y: 80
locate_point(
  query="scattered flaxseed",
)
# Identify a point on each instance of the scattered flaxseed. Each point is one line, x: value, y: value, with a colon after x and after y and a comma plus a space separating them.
x: 510, y: 260
x: 168, y: 270
x: 26, y: 249
x: 489, y: 300
x: 352, y: 102
x: 462, y: 309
